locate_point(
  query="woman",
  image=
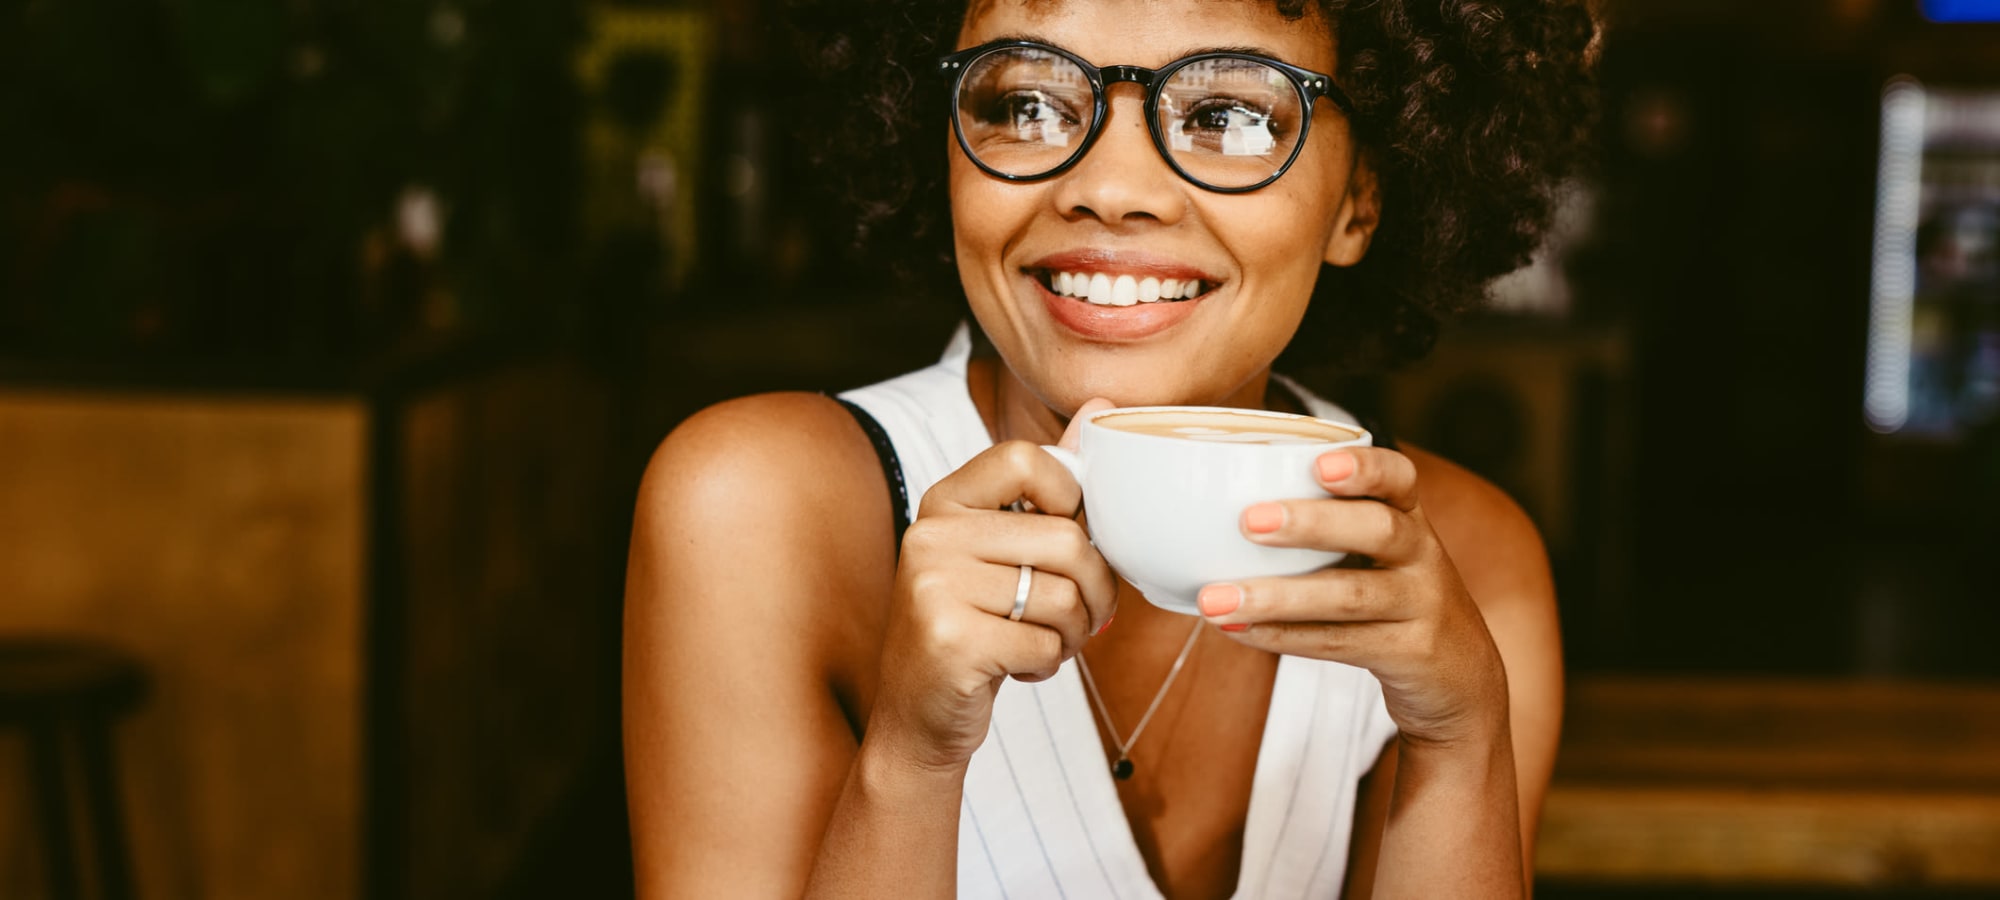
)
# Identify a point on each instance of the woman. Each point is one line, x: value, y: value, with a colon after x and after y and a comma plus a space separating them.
x: 1142, y: 203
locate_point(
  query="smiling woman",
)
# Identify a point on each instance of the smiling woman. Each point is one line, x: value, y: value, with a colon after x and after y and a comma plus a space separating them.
x: 867, y: 639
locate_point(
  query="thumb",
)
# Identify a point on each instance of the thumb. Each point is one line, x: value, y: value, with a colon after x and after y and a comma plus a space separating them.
x: 1093, y: 405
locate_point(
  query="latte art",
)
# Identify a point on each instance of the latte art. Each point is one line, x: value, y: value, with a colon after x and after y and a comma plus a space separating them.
x: 1222, y: 435
x: 1229, y: 427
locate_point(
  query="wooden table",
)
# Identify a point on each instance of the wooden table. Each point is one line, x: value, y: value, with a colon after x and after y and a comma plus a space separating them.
x: 1766, y: 782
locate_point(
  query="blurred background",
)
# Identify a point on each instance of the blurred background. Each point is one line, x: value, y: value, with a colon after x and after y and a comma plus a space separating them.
x: 335, y: 335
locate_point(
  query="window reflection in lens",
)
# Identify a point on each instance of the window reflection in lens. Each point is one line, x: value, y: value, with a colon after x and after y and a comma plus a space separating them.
x: 1024, y: 111
x: 1230, y: 122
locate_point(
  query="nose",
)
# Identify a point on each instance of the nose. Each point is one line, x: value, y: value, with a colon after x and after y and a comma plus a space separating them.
x: 1121, y: 179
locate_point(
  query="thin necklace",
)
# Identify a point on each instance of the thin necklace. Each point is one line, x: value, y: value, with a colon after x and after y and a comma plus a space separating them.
x: 1121, y: 768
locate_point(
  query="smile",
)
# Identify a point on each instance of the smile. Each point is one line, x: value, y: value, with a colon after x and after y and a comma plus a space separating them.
x: 1106, y: 289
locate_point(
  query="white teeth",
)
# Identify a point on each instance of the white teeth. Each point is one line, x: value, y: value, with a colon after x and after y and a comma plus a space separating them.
x: 1104, y: 289
x: 1100, y: 289
x: 1124, y: 291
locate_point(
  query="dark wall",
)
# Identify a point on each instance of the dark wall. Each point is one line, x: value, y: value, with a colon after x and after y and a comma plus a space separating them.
x: 1739, y: 188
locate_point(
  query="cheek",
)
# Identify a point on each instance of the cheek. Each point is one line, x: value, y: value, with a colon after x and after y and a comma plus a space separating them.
x: 1281, y: 240
x: 987, y: 215
x: 1287, y: 233
x: 970, y: 190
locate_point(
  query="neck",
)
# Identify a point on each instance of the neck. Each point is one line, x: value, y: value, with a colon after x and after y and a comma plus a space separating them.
x: 1012, y: 411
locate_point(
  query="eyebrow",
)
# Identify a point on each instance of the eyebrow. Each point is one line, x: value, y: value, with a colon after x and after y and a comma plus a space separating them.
x: 1241, y: 48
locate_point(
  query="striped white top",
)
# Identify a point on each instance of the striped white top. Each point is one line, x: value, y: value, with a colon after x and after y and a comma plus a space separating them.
x: 1041, y: 816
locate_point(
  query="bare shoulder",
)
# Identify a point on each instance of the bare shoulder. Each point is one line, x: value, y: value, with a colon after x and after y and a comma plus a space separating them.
x: 765, y: 500
x: 760, y: 454
x: 1493, y: 543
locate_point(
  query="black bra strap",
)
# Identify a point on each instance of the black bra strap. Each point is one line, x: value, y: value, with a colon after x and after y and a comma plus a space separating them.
x: 892, y: 469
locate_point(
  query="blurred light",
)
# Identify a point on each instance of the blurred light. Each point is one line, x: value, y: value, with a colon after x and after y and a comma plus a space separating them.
x: 1892, y: 293
x: 420, y: 221
x: 447, y: 26
x: 1961, y: 10
x: 1657, y: 122
x: 1542, y: 288
x: 657, y: 180
x: 308, y: 61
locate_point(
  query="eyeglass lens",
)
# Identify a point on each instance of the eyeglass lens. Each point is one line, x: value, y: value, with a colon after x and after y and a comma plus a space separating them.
x: 1227, y: 122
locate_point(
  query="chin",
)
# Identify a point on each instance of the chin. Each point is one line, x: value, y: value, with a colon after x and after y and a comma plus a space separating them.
x: 1124, y: 388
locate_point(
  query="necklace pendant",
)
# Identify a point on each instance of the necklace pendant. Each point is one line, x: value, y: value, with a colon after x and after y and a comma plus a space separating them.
x: 1122, y: 769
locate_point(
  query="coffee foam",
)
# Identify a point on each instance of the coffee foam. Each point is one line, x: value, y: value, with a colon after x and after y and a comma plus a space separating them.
x: 1228, y: 428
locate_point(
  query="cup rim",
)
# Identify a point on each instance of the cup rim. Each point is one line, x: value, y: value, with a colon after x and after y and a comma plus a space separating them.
x: 1360, y: 434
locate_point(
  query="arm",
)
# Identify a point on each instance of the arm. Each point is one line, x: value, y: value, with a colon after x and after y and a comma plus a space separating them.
x: 1498, y: 553
x: 736, y: 747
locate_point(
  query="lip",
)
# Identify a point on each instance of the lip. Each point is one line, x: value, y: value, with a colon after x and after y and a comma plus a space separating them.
x: 1114, y: 324
x: 1117, y: 324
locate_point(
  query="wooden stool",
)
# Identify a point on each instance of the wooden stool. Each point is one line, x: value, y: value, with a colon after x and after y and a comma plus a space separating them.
x: 63, y: 695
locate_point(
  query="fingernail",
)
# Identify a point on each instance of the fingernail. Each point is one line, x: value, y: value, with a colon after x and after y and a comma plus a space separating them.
x: 1264, y: 518
x: 1336, y: 466
x: 1106, y: 626
x: 1219, y: 599
x: 1235, y: 626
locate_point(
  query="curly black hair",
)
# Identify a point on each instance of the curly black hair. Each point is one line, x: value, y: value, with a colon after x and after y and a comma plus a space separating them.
x: 1471, y: 111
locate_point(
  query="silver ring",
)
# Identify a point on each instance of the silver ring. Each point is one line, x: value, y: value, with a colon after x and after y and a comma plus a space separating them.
x: 1021, y: 594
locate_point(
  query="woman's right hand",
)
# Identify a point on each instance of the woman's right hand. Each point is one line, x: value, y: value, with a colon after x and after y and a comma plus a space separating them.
x: 949, y: 642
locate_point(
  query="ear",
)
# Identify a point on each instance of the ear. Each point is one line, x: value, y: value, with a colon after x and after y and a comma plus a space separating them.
x: 1360, y: 211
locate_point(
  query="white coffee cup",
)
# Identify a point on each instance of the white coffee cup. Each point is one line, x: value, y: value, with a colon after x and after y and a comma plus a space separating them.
x: 1164, y: 508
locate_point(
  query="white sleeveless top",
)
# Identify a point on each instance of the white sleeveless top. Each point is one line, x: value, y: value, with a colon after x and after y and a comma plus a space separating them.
x: 1041, y: 816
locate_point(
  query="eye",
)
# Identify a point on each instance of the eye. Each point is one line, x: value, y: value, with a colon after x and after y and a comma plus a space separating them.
x: 1023, y: 109
x: 1220, y: 114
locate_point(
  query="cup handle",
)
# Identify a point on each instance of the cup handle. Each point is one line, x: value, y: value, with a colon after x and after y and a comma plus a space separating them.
x: 1069, y: 460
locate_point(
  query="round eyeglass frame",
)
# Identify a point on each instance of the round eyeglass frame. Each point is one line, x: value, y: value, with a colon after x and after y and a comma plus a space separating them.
x: 1310, y: 86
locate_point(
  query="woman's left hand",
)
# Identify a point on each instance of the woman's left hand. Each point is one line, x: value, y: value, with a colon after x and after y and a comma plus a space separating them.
x: 1407, y: 618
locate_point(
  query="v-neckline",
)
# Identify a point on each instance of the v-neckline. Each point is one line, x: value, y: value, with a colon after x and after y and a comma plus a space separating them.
x: 1252, y: 862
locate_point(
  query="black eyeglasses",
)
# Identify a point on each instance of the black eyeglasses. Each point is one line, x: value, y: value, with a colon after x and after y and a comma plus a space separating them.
x: 1227, y: 122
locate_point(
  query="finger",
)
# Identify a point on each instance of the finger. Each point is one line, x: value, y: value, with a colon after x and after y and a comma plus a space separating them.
x: 1027, y: 652
x: 1070, y: 436
x: 1328, y: 595
x: 1363, y: 644
x: 1049, y: 543
x: 1053, y: 601
x: 1376, y: 472
x: 1389, y: 535
x: 994, y: 647
x: 1062, y: 549
x: 1001, y: 475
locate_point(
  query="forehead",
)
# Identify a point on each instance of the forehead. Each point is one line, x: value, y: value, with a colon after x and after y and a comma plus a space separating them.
x: 1153, y: 32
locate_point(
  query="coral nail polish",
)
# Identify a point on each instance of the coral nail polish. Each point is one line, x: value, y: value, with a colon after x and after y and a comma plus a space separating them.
x: 1264, y: 518
x: 1219, y: 599
x: 1238, y: 626
x: 1335, y: 466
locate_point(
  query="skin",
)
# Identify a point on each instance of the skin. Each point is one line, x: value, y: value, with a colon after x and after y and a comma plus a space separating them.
x: 799, y: 722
